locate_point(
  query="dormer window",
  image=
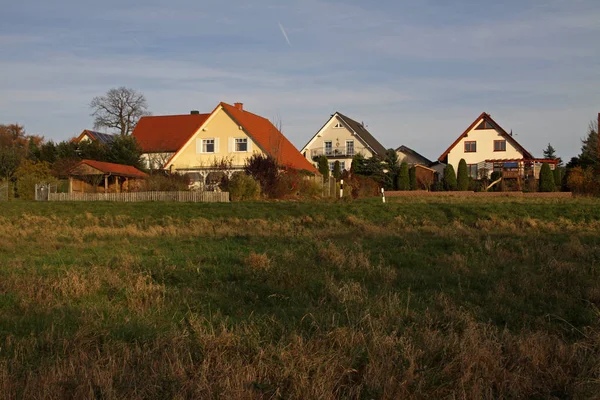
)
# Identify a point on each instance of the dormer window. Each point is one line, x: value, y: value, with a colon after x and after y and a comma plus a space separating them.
x: 338, y: 125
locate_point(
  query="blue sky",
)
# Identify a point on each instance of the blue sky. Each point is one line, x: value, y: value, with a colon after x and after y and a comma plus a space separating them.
x: 416, y: 72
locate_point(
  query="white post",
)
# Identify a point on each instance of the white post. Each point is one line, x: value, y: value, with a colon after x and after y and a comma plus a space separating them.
x: 341, y: 188
x: 382, y: 195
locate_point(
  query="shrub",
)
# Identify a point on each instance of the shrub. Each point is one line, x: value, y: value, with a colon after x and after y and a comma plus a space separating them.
x: 361, y: 186
x: 324, y: 166
x: 412, y: 174
x: 449, y: 178
x: 166, y: 182
x: 29, y: 174
x: 546, y: 179
x: 288, y: 184
x: 265, y: 170
x: 462, y: 179
x: 558, y: 177
x: 583, y: 181
x: 403, y: 180
x: 310, y: 188
x: 243, y: 187
x: 337, y: 170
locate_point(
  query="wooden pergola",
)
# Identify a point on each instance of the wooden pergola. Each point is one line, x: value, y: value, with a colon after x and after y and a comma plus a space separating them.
x: 87, y: 176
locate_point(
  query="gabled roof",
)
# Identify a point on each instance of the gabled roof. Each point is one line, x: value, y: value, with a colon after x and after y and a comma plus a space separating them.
x: 167, y: 133
x: 103, y: 138
x: 409, y: 151
x: 111, y: 168
x: 487, y: 118
x: 269, y: 138
x: 359, y: 129
x: 364, y: 134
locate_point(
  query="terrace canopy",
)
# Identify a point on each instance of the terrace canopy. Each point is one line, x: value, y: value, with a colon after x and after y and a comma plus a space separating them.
x: 91, y: 176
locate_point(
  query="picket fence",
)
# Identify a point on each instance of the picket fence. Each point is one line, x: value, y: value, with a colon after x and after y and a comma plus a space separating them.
x: 196, y: 197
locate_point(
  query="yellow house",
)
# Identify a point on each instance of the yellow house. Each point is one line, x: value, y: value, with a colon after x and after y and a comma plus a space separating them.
x: 219, y: 142
x: 487, y: 147
x: 340, y: 139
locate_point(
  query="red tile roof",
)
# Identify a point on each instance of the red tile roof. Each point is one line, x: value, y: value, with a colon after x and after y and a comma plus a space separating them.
x: 269, y: 139
x: 111, y: 168
x: 168, y: 133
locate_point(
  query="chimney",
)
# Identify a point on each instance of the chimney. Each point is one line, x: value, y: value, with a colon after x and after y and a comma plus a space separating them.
x: 194, y: 112
x: 239, y: 106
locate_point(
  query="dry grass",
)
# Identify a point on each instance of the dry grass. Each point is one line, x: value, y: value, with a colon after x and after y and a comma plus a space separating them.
x: 117, y: 306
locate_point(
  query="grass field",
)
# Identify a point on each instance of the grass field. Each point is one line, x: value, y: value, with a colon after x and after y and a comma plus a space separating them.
x: 425, y: 298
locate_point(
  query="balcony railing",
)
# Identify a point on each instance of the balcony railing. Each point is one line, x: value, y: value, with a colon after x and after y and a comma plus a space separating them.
x: 337, y: 152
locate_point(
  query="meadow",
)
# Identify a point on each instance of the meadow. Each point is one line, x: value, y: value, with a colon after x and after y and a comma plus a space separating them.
x: 416, y: 298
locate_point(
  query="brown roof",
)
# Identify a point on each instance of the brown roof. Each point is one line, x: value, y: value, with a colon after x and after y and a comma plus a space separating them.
x: 486, y: 117
x: 111, y: 168
x: 269, y: 138
x: 364, y: 134
x: 167, y: 133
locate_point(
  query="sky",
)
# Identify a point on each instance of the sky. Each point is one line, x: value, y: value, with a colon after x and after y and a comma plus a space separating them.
x: 417, y: 73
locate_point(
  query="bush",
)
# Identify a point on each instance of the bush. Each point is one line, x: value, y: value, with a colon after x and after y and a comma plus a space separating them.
x: 583, y: 181
x: 324, y: 166
x: 243, y: 187
x: 449, y: 178
x: 310, y: 188
x: 337, y: 170
x: 546, y: 179
x: 29, y: 174
x: 558, y: 177
x: 288, y: 184
x: 361, y: 186
x: 265, y: 170
x: 462, y: 179
x: 412, y: 174
x: 403, y: 180
x: 165, y: 182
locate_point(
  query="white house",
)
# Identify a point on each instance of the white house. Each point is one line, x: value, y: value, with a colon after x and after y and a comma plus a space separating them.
x: 340, y: 139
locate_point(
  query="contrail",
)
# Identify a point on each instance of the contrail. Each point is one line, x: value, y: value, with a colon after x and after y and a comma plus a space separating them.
x: 285, y: 35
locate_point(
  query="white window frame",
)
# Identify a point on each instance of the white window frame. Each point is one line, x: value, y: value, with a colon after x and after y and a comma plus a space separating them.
x: 237, y: 141
x: 202, y: 143
x: 330, y: 147
x: 338, y: 125
x: 343, y: 165
x: 347, y: 152
x: 331, y: 166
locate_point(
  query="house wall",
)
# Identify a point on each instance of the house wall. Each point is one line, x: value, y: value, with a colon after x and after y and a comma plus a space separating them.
x: 156, y: 160
x: 408, y: 158
x: 485, y: 148
x: 425, y: 177
x: 223, y: 129
x: 338, y: 137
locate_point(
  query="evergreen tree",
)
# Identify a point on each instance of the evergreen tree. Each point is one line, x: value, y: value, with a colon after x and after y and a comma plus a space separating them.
x: 463, y: 176
x: 412, y: 174
x: 550, y: 154
x: 324, y: 166
x: 546, y: 179
x: 337, y: 170
x: 403, y: 180
x: 589, y: 148
x: 124, y: 150
x: 392, y: 165
x: 449, y: 178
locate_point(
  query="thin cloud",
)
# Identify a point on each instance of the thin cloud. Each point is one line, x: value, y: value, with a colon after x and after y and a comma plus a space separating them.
x: 287, y: 39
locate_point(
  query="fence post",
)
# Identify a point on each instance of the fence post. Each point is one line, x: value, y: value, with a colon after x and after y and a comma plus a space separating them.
x: 341, y: 188
x: 383, y: 195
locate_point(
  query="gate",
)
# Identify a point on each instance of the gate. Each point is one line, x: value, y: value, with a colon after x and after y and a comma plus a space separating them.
x: 43, y: 189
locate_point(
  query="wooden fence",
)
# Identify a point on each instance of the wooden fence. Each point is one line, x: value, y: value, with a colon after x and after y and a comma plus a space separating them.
x: 196, y: 197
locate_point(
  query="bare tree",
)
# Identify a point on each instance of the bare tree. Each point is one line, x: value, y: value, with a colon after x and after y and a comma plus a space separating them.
x: 120, y: 109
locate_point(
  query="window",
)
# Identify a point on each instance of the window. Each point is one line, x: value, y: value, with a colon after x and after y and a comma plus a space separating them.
x: 343, y: 165
x: 241, y: 145
x: 338, y: 125
x: 207, y: 146
x: 472, y: 170
x: 499, y: 145
x: 328, y: 148
x: 331, y: 165
x: 470, y: 147
x: 485, y: 125
x: 350, y: 148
